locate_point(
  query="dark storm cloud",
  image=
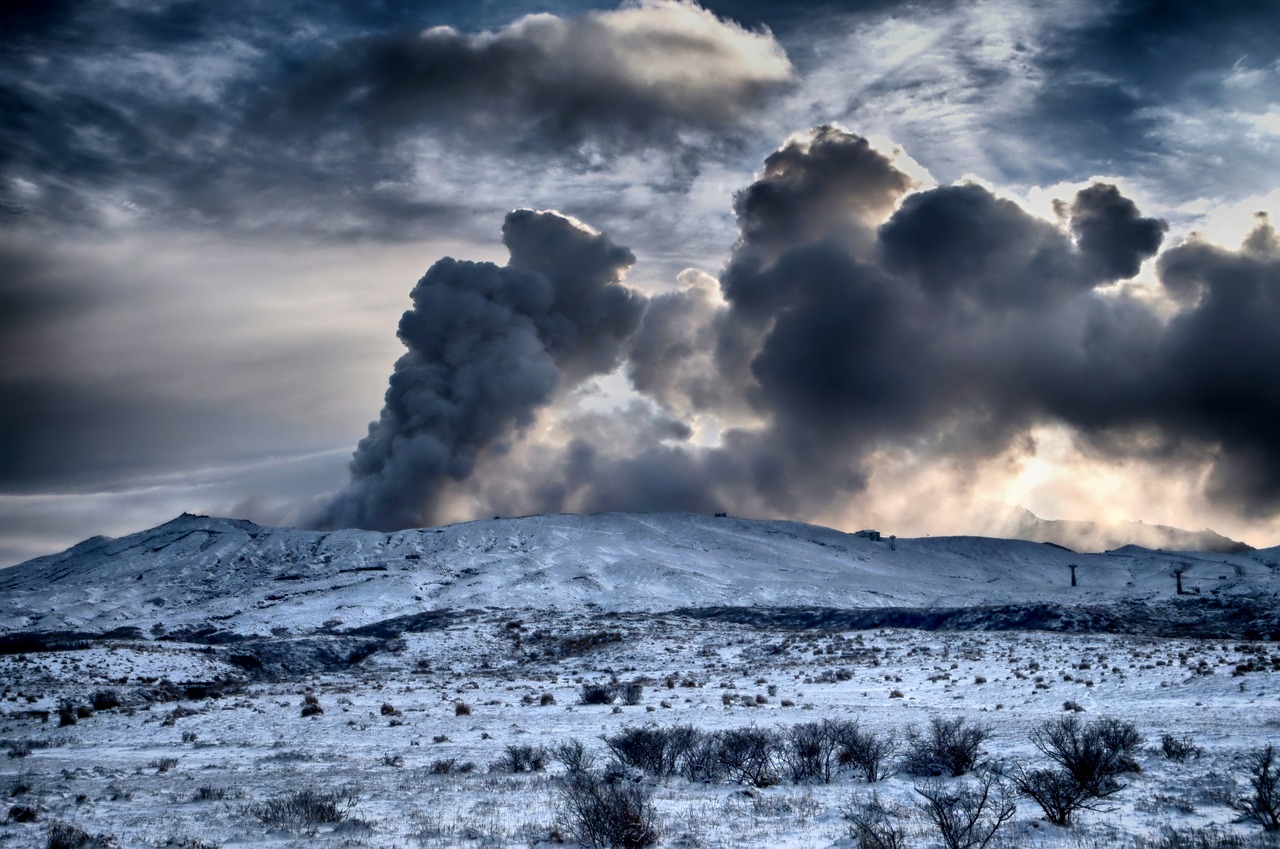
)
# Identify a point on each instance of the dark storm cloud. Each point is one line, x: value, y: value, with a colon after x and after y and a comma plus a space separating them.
x: 951, y: 327
x: 672, y: 356
x: 826, y: 183
x: 628, y: 78
x: 1112, y: 236
x: 250, y: 117
x: 1221, y: 362
x: 488, y: 348
x: 949, y: 331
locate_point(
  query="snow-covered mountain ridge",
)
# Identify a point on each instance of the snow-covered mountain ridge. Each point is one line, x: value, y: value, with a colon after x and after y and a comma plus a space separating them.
x: 245, y: 578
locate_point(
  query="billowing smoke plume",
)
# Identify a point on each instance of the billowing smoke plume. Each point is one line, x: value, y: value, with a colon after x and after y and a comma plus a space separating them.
x: 858, y: 317
x: 488, y: 346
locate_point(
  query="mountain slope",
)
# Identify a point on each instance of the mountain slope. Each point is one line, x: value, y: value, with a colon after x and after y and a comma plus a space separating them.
x: 1020, y: 523
x: 237, y: 576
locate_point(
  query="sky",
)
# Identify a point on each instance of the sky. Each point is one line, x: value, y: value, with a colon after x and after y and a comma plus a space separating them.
x: 907, y: 265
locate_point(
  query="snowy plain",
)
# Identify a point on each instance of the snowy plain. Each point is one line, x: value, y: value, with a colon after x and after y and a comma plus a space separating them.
x: 214, y: 635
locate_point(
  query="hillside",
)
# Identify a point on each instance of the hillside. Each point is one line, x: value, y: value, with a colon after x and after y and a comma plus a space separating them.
x: 1020, y: 523
x: 235, y: 576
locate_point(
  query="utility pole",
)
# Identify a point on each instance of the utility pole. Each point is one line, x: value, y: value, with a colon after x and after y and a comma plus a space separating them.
x: 1177, y: 573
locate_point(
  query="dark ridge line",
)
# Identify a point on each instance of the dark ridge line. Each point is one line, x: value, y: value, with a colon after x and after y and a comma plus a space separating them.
x: 1211, y: 618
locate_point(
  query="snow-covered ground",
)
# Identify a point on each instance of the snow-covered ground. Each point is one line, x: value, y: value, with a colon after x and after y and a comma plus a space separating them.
x: 513, y: 617
x: 109, y: 773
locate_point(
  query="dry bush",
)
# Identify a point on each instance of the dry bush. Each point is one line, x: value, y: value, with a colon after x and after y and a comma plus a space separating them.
x: 596, y: 693
x: 450, y: 766
x: 1093, y: 754
x: 523, y: 758
x: 632, y: 693
x: 305, y: 807
x: 574, y: 755
x: 866, y: 752
x: 874, y: 824
x: 747, y: 755
x: 64, y: 835
x: 809, y: 751
x: 1057, y: 793
x: 968, y: 815
x: 23, y: 813
x: 607, y: 814
x: 1194, y: 838
x: 658, y: 751
x: 950, y: 747
x: 1262, y: 805
x: 1179, y: 749
x: 105, y: 700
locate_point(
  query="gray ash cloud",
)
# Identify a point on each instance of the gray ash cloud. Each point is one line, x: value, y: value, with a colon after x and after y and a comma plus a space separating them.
x: 859, y: 314
x: 488, y: 346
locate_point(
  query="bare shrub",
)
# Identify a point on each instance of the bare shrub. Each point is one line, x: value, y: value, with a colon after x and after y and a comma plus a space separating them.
x: 461, y: 709
x: 1122, y: 738
x: 67, y: 715
x: 1057, y: 793
x: 523, y: 758
x: 968, y: 814
x: 23, y: 813
x: 874, y: 824
x: 950, y: 747
x: 305, y: 807
x: 632, y: 693
x: 21, y: 783
x: 747, y: 756
x: 574, y: 755
x: 866, y: 752
x: 702, y: 763
x: 596, y: 693
x: 655, y: 750
x: 1262, y: 804
x: 1179, y: 749
x: 1093, y: 754
x: 607, y: 815
x: 209, y: 793
x: 808, y: 751
x: 163, y: 764
x: 194, y: 843
x: 450, y: 766
x: 1194, y: 838
x: 105, y: 700
x: 64, y: 835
